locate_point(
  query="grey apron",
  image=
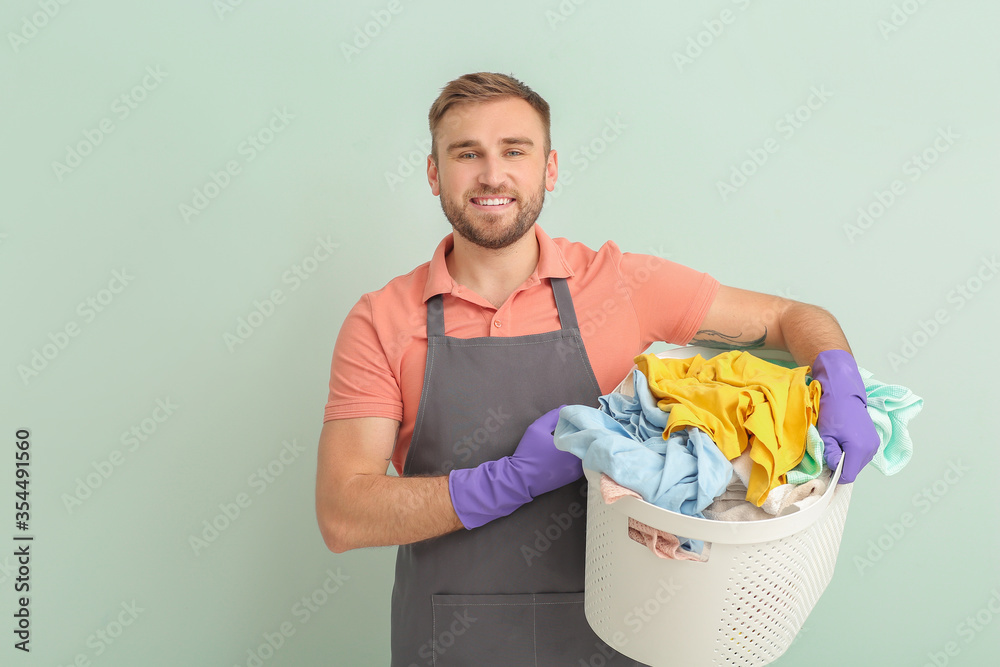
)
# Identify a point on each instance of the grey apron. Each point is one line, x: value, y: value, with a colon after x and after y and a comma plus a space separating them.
x: 509, y: 593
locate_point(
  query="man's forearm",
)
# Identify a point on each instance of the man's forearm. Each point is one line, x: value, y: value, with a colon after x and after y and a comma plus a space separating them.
x: 745, y: 320
x: 807, y: 330
x: 379, y: 510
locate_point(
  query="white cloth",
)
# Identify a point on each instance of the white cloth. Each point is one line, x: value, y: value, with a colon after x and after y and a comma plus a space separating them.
x: 785, y: 499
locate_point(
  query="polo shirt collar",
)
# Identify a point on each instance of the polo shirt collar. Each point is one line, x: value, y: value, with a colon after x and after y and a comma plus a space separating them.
x: 551, y: 264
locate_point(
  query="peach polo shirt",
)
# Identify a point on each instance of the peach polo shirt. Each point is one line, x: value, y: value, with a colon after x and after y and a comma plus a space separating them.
x: 624, y: 302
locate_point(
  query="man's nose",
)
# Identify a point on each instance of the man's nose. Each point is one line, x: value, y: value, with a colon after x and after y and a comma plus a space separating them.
x: 492, y: 173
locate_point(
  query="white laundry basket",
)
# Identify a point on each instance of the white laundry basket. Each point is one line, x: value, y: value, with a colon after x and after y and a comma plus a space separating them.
x: 741, y: 607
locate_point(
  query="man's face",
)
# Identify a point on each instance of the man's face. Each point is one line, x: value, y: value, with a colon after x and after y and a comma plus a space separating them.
x: 492, y: 170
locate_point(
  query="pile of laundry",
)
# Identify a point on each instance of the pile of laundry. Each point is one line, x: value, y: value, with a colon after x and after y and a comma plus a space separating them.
x: 730, y: 438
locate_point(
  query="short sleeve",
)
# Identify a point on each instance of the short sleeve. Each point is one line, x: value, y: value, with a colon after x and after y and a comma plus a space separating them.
x: 670, y: 299
x: 362, y: 383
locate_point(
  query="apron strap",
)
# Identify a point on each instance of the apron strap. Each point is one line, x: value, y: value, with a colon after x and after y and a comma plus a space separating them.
x: 564, y: 304
x: 435, y: 316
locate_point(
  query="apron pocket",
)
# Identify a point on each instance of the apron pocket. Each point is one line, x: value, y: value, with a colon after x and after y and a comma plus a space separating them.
x: 545, y: 629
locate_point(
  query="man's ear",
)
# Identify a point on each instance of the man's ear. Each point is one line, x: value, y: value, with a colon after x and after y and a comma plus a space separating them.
x: 551, y: 171
x: 433, y: 178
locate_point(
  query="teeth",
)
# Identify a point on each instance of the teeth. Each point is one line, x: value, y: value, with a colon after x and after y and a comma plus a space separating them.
x: 494, y: 202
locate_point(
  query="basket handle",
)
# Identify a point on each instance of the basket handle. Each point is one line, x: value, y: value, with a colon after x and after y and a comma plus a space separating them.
x: 726, y: 532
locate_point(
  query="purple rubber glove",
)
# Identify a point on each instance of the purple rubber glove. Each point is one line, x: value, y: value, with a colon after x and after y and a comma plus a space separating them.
x: 496, y: 488
x: 843, y: 419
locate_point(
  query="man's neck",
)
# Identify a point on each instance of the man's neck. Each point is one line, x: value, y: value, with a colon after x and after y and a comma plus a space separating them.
x: 493, y: 274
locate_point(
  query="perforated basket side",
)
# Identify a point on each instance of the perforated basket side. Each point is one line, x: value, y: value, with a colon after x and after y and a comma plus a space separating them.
x: 774, y: 586
x: 598, y: 563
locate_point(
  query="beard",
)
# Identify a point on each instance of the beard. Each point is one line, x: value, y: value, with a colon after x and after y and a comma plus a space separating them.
x: 489, y: 230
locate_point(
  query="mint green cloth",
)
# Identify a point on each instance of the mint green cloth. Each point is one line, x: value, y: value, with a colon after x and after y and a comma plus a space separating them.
x: 891, y: 407
x: 812, y: 462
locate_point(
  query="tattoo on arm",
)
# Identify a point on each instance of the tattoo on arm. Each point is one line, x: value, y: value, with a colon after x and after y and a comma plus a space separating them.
x: 717, y: 339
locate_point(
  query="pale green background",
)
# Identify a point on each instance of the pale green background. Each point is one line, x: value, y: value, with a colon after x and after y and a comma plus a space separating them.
x: 654, y: 189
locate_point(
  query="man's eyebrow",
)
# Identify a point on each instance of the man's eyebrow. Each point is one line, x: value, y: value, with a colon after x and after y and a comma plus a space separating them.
x: 506, y: 141
x: 517, y: 141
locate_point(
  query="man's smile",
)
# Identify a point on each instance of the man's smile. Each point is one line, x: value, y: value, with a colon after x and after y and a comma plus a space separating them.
x: 492, y: 203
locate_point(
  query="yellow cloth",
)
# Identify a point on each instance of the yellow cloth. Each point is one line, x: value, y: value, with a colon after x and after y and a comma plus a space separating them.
x: 739, y: 400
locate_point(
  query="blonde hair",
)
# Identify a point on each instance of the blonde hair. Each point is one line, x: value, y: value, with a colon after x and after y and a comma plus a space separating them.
x: 484, y: 87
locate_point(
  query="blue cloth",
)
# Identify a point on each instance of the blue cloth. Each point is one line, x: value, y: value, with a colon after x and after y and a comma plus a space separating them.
x: 624, y: 440
x: 640, y: 414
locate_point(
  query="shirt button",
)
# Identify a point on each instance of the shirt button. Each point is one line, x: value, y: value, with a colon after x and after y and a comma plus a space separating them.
x: 496, y: 323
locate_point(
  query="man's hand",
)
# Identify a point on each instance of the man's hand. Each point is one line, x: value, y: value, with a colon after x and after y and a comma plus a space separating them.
x: 843, y: 421
x: 496, y: 488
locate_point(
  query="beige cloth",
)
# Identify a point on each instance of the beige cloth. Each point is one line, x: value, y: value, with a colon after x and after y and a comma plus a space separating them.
x: 785, y: 499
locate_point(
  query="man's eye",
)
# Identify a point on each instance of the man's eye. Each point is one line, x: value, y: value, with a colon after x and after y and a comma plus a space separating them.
x: 515, y: 152
x: 463, y: 155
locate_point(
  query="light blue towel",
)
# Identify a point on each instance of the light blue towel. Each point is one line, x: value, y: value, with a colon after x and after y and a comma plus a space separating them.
x: 640, y: 415
x: 624, y: 440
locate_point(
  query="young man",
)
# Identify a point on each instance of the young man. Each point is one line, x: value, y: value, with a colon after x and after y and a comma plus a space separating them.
x: 455, y: 371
